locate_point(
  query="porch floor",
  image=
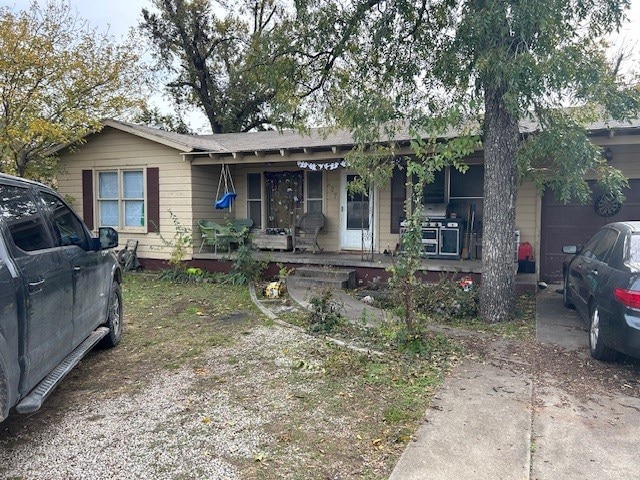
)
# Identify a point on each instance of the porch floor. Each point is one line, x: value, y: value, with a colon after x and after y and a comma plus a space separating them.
x: 348, y: 259
x: 525, y: 282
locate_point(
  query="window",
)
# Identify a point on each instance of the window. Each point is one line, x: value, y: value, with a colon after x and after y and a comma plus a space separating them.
x: 254, y: 198
x: 634, y: 248
x: 26, y: 225
x: 600, y: 244
x: 469, y: 184
x: 314, y: 192
x: 467, y: 196
x: 434, y: 192
x: 121, y: 199
x: 68, y: 229
x: 357, y: 208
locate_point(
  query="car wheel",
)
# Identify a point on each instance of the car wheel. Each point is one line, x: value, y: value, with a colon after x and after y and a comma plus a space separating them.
x: 114, y: 319
x: 566, y: 295
x: 597, y: 348
x: 4, y: 397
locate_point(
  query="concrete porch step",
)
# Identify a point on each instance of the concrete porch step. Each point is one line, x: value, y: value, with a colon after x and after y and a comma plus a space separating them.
x: 323, y: 276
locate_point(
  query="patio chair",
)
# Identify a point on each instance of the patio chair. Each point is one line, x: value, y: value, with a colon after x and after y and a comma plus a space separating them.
x: 214, y: 235
x: 306, y: 232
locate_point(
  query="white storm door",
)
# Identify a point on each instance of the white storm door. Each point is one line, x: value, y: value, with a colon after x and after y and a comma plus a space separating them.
x: 355, y: 216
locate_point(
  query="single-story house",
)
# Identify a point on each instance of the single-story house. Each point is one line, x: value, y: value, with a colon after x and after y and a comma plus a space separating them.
x: 142, y: 180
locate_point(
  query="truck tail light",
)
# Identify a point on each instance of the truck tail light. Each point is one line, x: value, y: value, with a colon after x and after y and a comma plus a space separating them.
x: 629, y: 298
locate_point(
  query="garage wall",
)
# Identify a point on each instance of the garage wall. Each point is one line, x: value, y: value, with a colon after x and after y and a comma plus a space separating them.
x: 573, y: 223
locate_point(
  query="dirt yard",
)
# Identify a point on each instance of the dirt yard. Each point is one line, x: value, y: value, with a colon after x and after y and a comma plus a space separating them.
x: 203, y: 386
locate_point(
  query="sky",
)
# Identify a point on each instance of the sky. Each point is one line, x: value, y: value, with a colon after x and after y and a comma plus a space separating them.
x: 118, y: 16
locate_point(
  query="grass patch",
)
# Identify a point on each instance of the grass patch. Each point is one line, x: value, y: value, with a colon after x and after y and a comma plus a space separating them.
x: 272, y: 402
x: 168, y: 324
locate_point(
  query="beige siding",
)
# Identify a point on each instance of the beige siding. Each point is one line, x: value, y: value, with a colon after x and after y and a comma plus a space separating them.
x: 527, y: 213
x: 627, y: 159
x: 385, y: 239
x: 115, y: 149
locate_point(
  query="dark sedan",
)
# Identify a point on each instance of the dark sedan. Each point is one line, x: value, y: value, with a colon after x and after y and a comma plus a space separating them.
x: 602, y: 281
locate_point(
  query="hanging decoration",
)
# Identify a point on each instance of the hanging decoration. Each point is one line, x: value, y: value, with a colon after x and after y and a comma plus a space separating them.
x: 284, y: 198
x: 322, y: 166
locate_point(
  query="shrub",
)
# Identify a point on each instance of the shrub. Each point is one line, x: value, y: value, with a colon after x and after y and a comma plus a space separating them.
x: 245, y: 268
x: 325, y: 313
x: 446, y: 299
x: 191, y: 275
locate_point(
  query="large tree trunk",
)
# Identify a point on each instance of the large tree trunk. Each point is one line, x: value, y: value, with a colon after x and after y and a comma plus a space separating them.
x: 501, y: 137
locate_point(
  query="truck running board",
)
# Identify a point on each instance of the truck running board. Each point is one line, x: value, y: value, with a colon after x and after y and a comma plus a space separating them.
x: 33, y: 401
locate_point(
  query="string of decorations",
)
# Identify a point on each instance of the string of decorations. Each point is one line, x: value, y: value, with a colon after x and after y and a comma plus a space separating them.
x: 322, y: 166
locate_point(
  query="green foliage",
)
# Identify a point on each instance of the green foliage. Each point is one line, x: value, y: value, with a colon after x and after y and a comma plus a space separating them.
x: 170, y: 122
x: 245, y: 268
x: 325, y: 314
x: 284, y: 272
x: 446, y: 299
x: 59, y: 78
x: 233, y: 62
x: 182, y: 240
x: 404, y: 268
x: 450, y: 70
x: 192, y: 275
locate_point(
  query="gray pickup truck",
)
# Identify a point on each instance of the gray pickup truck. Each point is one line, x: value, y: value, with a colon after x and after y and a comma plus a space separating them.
x: 59, y: 292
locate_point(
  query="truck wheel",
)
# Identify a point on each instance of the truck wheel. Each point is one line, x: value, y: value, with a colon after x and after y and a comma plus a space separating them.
x: 114, y: 319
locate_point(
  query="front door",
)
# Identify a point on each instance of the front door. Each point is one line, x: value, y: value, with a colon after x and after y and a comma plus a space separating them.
x: 355, y: 216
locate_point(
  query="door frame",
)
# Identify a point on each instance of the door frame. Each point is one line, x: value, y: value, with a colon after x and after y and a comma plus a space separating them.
x: 349, y: 239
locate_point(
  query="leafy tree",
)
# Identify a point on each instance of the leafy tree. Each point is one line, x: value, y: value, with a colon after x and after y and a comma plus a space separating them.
x: 479, y: 66
x: 153, y: 117
x: 237, y: 68
x: 58, y: 79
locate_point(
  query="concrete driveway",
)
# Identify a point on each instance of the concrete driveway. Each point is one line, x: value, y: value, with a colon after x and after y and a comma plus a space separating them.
x: 596, y: 438
x: 503, y: 417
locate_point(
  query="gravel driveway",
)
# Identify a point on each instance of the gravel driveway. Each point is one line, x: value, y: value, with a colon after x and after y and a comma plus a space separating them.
x: 184, y: 424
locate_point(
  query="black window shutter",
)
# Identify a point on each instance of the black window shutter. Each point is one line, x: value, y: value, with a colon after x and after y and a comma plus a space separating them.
x: 87, y: 197
x: 153, y: 199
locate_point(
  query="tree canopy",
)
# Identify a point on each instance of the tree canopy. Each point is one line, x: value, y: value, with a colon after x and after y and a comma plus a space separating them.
x: 234, y: 63
x: 59, y: 79
x: 478, y: 67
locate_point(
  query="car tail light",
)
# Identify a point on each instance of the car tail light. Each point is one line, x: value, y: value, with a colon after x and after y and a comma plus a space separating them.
x: 629, y: 298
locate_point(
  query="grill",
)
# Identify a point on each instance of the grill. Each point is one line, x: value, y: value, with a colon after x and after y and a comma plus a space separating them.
x: 441, y: 236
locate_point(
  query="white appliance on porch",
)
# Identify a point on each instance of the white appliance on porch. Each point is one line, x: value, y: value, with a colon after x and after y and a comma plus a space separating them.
x: 441, y: 235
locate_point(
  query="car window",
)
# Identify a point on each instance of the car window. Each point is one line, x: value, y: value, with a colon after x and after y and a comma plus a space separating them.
x: 634, y: 248
x: 591, y: 245
x: 68, y: 229
x: 26, y: 225
x: 602, y: 249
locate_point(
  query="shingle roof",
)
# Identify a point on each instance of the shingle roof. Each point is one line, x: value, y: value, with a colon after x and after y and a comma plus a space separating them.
x: 289, y: 139
x: 186, y: 143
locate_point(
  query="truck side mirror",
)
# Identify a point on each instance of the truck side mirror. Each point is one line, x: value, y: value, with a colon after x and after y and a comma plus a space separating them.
x: 108, y: 237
